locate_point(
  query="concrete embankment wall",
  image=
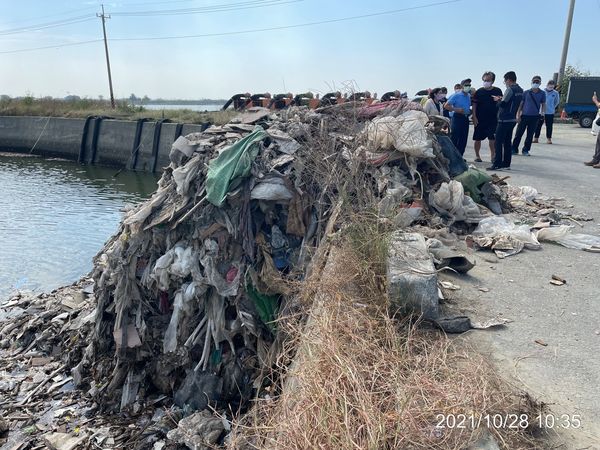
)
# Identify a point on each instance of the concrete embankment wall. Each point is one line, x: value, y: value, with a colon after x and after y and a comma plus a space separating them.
x: 133, y: 145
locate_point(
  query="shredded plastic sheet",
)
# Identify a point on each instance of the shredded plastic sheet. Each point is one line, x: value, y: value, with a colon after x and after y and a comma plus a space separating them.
x: 231, y: 165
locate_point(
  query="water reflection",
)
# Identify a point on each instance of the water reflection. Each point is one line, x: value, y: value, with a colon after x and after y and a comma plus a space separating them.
x: 55, y: 215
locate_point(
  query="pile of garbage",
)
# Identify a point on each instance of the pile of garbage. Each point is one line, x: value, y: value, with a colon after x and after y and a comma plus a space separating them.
x: 187, y: 295
x: 189, y: 289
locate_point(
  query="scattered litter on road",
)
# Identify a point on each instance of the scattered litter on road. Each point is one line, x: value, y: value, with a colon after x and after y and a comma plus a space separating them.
x: 540, y: 342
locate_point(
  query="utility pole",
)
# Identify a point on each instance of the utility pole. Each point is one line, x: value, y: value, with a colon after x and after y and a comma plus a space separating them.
x: 563, y: 58
x: 104, y: 17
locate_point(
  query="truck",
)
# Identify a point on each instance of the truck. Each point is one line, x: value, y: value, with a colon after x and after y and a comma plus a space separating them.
x: 579, y: 105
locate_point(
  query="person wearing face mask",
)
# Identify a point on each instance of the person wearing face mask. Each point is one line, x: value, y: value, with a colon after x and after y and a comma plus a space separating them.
x: 459, y: 104
x: 528, y: 115
x: 508, y: 105
x: 485, y: 111
x: 552, y: 101
x: 433, y: 106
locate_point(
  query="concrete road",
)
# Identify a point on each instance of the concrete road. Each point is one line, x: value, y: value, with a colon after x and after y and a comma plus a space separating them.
x: 566, y: 372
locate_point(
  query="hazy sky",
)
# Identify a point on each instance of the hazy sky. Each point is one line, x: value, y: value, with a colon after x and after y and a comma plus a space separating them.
x: 407, y: 50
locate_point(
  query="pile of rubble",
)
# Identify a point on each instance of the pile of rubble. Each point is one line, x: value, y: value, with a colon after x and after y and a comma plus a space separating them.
x: 187, y: 294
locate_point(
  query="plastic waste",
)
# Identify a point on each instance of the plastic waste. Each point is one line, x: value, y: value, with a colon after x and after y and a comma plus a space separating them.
x: 451, y: 201
x: 393, y: 198
x: 564, y: 236
x: 182, y: 305
x: 273, y: 189
x: 405, y: 133
x: 528, y: 193
x: 185, y: 174
x: 498, y: 226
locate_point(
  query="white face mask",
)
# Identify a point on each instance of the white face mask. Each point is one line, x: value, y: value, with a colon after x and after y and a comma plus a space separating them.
x: 550, y: 88
x: 535, y: 85
x: 487, y: 84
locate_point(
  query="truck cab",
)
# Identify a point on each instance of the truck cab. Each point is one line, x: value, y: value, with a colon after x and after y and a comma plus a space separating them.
x: 579, y: 104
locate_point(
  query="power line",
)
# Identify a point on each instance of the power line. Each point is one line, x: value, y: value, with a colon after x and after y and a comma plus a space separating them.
x: 47, y: 47
x: 202, y: 10
x: 256, y: 30
x: 206, y: 9
x: 285, y: 27
x: 43, y: 26
x: 54, y: 15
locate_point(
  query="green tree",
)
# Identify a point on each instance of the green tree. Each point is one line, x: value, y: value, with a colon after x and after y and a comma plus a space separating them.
x: 570, y: 71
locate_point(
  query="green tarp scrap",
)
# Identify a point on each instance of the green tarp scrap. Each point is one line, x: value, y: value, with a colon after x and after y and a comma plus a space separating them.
x: 266, y: 305
x: 472, y: 180
x: 233, y: 164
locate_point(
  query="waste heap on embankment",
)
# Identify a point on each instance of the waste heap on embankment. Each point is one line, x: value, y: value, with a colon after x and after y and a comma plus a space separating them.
x: 183, y: 318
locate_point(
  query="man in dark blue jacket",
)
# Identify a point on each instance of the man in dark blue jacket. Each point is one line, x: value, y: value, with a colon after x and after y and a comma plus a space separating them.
x: 528, y: 115
x: 507, y: 118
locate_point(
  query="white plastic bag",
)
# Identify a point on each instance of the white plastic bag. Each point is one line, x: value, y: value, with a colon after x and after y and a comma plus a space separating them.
x: 497, y: 226
x: 563, y: 235
x: 450, y: 199
x: 182, y: 307
x: 528, y: 193
x: 405, y: 133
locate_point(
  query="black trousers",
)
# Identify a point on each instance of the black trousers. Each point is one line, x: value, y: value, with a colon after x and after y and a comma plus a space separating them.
x: 529, y: 124
x: 548, y: 119
x: 459, y: 129
x: 504, y: 132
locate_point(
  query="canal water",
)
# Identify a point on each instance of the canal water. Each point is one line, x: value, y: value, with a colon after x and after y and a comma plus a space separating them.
x: 56, y: 215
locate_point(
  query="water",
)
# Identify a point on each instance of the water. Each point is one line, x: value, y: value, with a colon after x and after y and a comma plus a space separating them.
x: 211, y: 107
x: 55, y: 216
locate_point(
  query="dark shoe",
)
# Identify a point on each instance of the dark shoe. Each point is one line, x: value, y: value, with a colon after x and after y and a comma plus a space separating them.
x: 515, y: 152
x: 494, y: 167
x: 548, y: 141
x: 535, y: 141
x: 526, y: 153
x: 478, y: 160
x: 596, y: 166
x: 590, y: 163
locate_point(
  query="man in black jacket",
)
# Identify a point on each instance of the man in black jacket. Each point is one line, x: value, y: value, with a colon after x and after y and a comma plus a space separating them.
x: 508, y: 105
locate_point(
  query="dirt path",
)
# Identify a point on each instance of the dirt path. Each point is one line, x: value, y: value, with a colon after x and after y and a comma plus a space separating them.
x: 566, y: 371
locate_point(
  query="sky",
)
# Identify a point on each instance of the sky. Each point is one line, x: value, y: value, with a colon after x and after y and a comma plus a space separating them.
x: 375, y: 45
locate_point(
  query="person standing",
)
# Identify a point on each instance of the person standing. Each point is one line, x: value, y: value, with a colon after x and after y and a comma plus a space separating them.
x: 595, y: 162
x: 433, y: 106
x: 459, y: 104
x: 528, y: 115
x: 552, y: 101
x: 508, y: 105
x: 485, y: 115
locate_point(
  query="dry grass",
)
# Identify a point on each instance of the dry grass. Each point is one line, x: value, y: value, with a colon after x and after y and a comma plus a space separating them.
x: 361, y: 380
x: 30, y: 106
